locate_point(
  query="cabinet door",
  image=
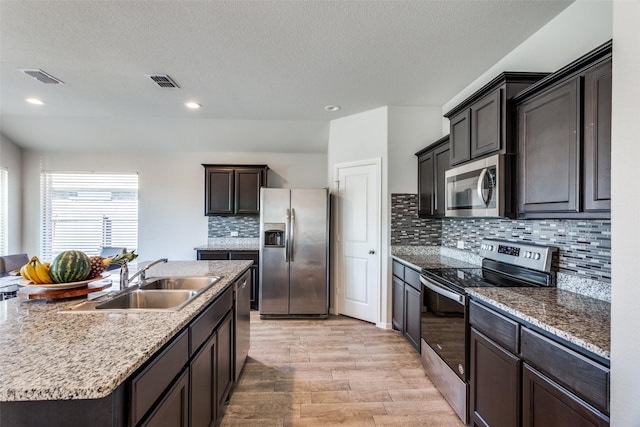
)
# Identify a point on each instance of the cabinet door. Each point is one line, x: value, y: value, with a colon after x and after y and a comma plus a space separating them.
x: 247, y: 190
x: 460, y: 127
x: 485, y: 125
x: 426, y: 194
x: 219, y: 191
x: 441, y: 163
x: 546, y: 404
x: 495, y: 384
x: 412, y: 309
x: 398, y: 304
x: 225, y: 359
x: 203, y: 385
x: 548, y: 143
x: 597, y: 138
x: 173, y: 410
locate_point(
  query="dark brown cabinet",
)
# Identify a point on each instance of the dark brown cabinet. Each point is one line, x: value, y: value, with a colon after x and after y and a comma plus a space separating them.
x: 483, y: 124
x: 522, y: 378
x: 433, y: 162
x: 564, y: 141
x: 406, y: 304
x: 495, y: 384
x: 204, y: 408
x: 212, y: 255
x: 173, y: 410
x: 233, y: 189
x: 224, y: 363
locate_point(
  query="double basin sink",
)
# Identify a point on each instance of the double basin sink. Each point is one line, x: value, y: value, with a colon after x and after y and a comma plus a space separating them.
x: 154, y: 294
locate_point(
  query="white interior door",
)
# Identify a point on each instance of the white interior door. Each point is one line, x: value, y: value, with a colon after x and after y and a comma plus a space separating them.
x: 358, y: 237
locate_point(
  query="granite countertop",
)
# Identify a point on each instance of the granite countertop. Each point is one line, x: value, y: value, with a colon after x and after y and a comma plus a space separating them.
x: 231, y: 244
x: 576, y: 318
x: 49, y: 355
x: 431, y: 261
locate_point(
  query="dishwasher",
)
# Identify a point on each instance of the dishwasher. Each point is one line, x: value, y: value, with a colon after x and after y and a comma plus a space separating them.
x: 242, y: 295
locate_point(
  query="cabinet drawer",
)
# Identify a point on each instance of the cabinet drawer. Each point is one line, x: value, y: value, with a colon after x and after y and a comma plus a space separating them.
x: 151, y: 383
x: 398, y: 269
x: 212, y: 255
x: 203, y: 326
x: 496, y: 326
x: 252, y: 256
x: 584, y: 377
x: 412, y: 278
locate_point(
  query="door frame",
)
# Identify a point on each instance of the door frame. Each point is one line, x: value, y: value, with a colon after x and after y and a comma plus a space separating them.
x: 338, y: 273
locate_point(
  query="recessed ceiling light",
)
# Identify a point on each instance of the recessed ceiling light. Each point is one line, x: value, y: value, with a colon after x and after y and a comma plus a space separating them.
x: 193, y: 105
x: 34, y: 101
x: 332, y: 107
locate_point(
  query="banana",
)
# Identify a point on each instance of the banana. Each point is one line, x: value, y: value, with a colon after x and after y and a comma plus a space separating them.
x: 31, y: 271
x: 24, y: 273
x: 43, y: 272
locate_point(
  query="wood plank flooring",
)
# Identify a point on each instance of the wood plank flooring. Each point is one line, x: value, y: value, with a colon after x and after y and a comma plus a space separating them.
x: 338, y: 371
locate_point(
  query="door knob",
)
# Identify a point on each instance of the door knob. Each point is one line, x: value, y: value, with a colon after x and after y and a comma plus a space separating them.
x: 371, y: 252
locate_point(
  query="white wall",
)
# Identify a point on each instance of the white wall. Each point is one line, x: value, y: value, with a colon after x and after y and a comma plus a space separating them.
x: 581, y: 27
x: 625, y: 158
x: 410, y: 130
x: 362, y: 137
x: 11, y: 158
x: 171, y: 190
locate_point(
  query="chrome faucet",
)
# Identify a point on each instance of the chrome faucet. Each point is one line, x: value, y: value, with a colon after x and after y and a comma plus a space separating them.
x: 124, y: 273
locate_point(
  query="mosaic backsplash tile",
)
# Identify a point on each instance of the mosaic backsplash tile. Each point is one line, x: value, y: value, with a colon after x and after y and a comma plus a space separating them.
x: 244, y: 225
x: 585, y: 246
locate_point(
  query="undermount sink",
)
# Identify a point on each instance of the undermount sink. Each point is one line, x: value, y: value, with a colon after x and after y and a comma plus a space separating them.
x: 179, y: 283
x: 149, y: 300
x: 153, y: 294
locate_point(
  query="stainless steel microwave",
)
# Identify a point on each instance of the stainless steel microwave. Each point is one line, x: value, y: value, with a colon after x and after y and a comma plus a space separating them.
x: 477, y: 188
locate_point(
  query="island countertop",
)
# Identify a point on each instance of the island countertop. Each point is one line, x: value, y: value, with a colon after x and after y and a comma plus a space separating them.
x: 51, y: 355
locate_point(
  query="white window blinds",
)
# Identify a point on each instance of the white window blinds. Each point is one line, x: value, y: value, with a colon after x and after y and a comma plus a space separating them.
x: 86, y: 211
x: 4, y: 211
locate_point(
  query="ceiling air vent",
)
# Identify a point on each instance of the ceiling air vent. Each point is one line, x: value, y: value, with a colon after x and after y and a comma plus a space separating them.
x: 43, y: 77
x: 163, y: 80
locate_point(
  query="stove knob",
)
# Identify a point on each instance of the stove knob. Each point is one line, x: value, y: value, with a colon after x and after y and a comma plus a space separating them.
x: 483, y: 246
x: 527, y: 254
x: 536, y: 256
x: 490, y: 247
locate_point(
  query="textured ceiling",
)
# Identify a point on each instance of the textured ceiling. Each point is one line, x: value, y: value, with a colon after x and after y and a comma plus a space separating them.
x: 263, y: 70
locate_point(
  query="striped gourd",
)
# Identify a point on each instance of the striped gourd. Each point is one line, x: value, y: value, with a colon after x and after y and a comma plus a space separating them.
x: 70, y: 266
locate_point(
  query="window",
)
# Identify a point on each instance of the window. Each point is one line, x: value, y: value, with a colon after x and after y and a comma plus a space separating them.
x: 86, y: 211
x: 4, y: 211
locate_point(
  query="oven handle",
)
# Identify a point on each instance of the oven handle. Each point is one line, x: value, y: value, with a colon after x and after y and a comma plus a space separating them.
x: 444, y: 292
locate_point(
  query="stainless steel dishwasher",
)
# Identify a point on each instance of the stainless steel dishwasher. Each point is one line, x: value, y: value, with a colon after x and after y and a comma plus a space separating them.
x: 242, y: 294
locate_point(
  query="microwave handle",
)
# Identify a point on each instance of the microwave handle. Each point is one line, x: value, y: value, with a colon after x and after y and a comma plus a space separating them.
x: 479, y: 188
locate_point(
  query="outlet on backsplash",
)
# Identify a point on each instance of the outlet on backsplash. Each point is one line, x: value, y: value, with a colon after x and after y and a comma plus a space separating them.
x: 460, y: 244
x: 234, y: 234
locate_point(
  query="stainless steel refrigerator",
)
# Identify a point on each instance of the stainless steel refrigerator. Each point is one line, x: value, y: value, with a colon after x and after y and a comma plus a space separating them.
x: 294, y: 252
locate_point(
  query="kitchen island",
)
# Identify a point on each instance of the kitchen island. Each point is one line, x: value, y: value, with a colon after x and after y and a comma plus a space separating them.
x: 84, y: 360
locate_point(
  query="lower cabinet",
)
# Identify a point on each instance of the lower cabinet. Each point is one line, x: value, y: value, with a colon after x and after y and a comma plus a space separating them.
x: 406, y: 305
x: 174, y: 408
x: 211, y: 255
x: 522, y: 378
x: 189, y: 382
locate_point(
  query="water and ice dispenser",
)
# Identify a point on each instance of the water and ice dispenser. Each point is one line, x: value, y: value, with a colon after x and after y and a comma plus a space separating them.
x: 274, y: 235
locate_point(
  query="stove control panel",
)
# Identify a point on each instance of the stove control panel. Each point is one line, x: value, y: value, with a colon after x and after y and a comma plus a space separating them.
x: 528, y: 255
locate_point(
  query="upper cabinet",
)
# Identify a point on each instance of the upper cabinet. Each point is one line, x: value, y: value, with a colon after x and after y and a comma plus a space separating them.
x: 233, y: 189
x: 433, y: 162
x: 483, y: 123
x: 564, y: 141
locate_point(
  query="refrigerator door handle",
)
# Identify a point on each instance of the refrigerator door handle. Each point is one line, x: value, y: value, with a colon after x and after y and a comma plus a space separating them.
x: 286, y: 236
x: 293, y: 233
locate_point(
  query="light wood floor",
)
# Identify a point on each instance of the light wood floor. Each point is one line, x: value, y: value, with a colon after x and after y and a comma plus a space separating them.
x: 338, y: 371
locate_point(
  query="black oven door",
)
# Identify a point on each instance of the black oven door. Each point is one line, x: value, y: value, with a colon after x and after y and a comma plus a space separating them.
x: 443, y: 324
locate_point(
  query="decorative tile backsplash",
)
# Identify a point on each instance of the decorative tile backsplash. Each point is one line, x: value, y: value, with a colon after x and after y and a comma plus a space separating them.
x: 244, y: 225
x: 585, y: 245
